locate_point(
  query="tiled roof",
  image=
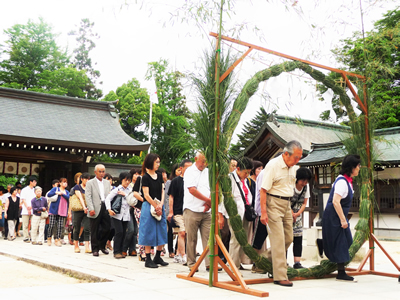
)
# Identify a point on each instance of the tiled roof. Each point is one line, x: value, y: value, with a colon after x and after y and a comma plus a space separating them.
x: 65, y: 121
x: 386, y: 148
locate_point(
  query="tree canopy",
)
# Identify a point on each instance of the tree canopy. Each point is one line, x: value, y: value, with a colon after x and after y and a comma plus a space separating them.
x: 32, y: 60
x: 134, y: 108
x: 29, y: 50
x: 377, y: 56
x: 170, y: 136
x: 249, y: 132
x: 82, y: 60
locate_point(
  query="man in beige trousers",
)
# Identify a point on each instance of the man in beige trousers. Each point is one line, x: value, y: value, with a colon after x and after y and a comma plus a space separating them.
x: 275, y: 194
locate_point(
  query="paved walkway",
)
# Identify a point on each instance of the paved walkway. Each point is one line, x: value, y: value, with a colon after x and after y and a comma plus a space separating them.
x: 129, y: 278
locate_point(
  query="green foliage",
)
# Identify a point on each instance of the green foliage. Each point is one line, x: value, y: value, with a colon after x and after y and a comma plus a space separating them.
x: 378, y: 57
x: 107, y: 159
x: 6, y: 180
x: 30, y: 50
x: 136, y: 160
x: 172, y: 134
x: 249, y: 132
x: 82, y: 60
x: 134, y: 108
x: 13, y: 179
x: 66, y: 81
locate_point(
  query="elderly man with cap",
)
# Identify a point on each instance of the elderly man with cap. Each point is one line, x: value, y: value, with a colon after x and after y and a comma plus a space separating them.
x: 275, y: 195
x: 39, y: 205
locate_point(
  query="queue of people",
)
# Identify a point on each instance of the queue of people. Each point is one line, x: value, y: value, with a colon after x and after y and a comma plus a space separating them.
x: 146, y: 210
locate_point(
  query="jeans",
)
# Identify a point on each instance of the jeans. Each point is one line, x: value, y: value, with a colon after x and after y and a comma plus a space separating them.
x: 130, y: 240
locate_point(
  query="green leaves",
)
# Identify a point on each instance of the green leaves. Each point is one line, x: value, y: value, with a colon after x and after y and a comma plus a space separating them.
x: 33, y: 61
x: 377, y: 56
x: 133, y: 107
x: 171, y: 135
x: 30, y: 50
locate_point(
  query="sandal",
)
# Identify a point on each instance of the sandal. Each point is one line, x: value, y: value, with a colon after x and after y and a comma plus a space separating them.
x: 171, y: 255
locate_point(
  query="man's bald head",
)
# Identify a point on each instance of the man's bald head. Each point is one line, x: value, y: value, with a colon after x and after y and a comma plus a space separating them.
x: 200, y: 161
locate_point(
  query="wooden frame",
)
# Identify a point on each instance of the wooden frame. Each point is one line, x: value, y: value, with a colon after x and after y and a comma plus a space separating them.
x: 237, y: 283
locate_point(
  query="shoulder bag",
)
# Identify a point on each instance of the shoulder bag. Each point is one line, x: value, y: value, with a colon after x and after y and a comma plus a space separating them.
x: 52, y: 198
x: 249, y: 212
x: 116, y: 204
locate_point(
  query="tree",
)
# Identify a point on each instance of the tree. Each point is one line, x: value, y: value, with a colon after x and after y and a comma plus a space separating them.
x: 250, y: 131
x: 82, y: 60
x: 378, y: 57
x: 171, y: 136
x: 66, y: 81
x: 134, y: 108
x: 30, y: 50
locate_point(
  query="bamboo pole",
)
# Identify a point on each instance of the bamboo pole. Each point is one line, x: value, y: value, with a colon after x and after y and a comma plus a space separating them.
x: 214, y: 188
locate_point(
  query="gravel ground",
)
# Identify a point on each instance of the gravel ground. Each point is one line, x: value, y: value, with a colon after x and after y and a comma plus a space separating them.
x: 16, y: 273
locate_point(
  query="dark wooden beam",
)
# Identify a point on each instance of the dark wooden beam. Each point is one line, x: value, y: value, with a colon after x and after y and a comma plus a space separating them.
x: 32, y: 155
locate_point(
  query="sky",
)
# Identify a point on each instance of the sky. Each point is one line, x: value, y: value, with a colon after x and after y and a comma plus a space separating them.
x: 136, y: 32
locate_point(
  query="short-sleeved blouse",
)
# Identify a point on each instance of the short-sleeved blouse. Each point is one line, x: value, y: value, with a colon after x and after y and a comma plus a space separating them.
x: 154, y: 185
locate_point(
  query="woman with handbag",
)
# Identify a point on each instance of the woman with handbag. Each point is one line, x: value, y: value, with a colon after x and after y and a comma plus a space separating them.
x: 11, y: 212
x: 138, y: 194
x: 130, y: 241
x: 153, y: 224
x: 118, y: 209
x: 79, y: 213
x: 244, y: 200
x: 58, y: 211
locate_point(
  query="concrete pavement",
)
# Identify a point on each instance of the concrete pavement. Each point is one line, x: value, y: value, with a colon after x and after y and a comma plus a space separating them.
x: 128, y: 278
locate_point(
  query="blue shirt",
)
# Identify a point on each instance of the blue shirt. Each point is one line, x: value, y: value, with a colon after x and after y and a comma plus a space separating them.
x: 38, y: 204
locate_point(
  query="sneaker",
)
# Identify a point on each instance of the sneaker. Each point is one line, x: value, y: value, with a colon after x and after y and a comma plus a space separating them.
x: 63, y: 242
x: 34, y: 243
x: 297, y: 265
x: 26, y: 240
x: 178, y: 259
x: 184, y: 260
x: 40, y: 243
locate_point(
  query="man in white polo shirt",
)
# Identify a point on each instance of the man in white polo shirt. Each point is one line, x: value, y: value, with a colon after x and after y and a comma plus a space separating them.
x: 27, y: 194
x: 196, y: 207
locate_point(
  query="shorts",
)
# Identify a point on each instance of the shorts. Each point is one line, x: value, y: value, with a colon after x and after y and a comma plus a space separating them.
x: 260, y: 234
x: 179, y: 222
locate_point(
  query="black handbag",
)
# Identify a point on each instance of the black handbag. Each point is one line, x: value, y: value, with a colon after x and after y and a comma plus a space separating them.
x: 139, y: 203
x: 116, y: 204
x: 249, y: 212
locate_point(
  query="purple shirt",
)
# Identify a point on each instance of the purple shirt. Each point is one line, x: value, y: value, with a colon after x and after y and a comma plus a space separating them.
x: 38, y: 204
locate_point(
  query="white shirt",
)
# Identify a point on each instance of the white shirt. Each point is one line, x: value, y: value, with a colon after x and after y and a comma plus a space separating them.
x: 28, y: 194
x: 306, y: 193
x: 341, y: 187
x: 124, y: 215
x: 237, y: 196
x: 257, y: 203
x: 195, y: 178
x: 101, y: 188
